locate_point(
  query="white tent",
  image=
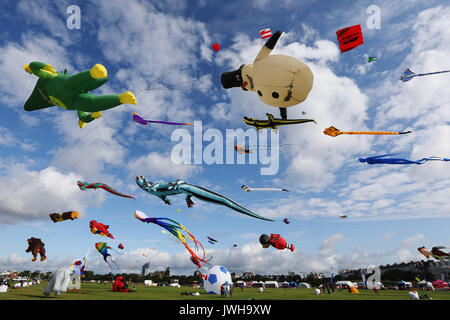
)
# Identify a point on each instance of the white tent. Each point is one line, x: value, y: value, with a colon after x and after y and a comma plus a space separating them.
x: 345, y: 283
x: 3, y: 288
x: 424, y: 283
x: 377, y: 285
x: 304, y: 285
x: 239, y: 282
x: 257, y: 284
x: 148, y: 282
x: 271, y: 284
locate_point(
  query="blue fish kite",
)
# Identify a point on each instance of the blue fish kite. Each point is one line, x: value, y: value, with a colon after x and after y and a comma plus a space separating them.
x: 383, y: 159
x: 408, y: 74
x: 162, y: 190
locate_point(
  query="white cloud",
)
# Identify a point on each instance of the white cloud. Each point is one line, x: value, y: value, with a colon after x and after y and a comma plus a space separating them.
x: 158, y: 165
x: 329, y: 244
x: 35, y: 194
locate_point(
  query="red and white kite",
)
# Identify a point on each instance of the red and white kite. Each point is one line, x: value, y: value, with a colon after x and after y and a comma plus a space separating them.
x: 266, y: 33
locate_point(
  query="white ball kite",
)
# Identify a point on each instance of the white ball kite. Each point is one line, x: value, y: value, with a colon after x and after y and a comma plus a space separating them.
x: 215, y: 277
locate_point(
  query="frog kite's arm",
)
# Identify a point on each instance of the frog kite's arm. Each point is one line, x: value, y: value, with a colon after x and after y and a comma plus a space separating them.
x: 40, y: 69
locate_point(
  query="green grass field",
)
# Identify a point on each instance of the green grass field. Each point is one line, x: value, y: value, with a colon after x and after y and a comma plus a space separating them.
x: 94, y: 291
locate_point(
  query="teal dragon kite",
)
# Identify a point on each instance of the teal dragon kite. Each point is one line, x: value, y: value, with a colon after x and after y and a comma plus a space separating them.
x: 71, y: 92
x: 162, y: 190
x: 85, y: 185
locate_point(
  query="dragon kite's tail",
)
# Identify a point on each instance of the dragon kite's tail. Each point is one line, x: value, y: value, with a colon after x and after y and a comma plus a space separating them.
x: 104, y: 186
x: 211, y: 196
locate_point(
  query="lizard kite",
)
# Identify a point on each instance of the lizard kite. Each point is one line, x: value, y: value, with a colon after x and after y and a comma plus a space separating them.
x: 85, y: 185
x: 273, y: 123
x: 162, y: 190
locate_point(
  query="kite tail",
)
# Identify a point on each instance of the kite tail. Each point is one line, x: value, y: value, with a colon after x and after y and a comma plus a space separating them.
x: 113, y: 191
x: 374, y: 132
x: 430, y: 73
x: 211, y: 196
x: 106, y: 256
x: 115, y: 264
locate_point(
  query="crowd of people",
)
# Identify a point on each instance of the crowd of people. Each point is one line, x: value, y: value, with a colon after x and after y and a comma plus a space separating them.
x: 226, y: 290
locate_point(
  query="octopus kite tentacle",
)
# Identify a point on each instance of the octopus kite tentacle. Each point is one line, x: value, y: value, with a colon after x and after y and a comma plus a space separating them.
x: 174, y: 230
x: 85, y: 185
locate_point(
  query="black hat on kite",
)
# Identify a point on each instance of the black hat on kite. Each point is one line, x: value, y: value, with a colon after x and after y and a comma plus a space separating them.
x: 264, y: 239
x: 232, y: 79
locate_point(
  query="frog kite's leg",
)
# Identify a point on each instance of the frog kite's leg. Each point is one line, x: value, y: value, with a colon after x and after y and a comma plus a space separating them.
x: 86, y: 117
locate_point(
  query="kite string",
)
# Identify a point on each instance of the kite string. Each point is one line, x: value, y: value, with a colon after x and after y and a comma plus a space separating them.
x: 67, y: 149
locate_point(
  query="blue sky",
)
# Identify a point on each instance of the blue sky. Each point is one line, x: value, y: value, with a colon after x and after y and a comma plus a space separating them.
x: 392, y: 210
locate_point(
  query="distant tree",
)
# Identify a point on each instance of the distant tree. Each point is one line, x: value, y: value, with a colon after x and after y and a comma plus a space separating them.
x: 88, y: 275
x: 25, y: 273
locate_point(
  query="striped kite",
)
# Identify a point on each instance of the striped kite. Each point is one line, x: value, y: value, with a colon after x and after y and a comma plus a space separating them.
x: 408, y: 74
x: 333, y: 132
x: 175, y: 230
x: 85, y: 185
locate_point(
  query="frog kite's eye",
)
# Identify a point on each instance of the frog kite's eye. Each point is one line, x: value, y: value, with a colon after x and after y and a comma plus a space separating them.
x: 275, y: 95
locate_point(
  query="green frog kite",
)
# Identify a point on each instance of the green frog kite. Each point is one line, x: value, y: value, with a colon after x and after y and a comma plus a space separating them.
x: 71, y: 92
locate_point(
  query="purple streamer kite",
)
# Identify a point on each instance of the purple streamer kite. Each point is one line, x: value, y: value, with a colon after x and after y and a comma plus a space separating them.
x: 144, y: 122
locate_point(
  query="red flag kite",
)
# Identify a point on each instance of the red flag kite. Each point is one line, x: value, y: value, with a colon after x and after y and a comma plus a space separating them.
x: 216, y: 47
x: 266, y: 33
x: 350, y: 38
